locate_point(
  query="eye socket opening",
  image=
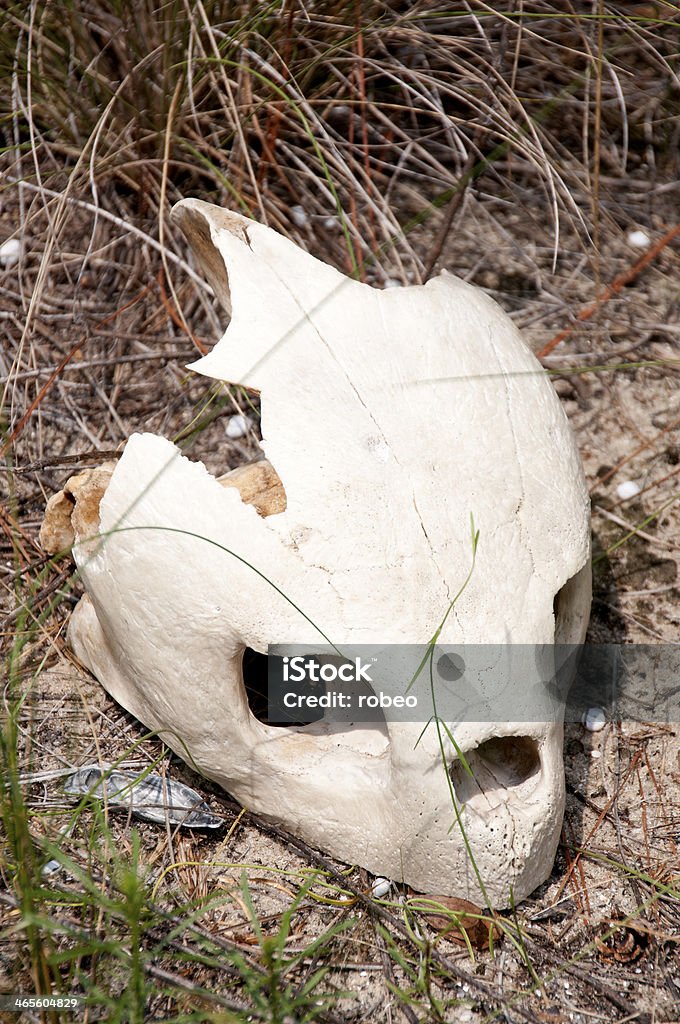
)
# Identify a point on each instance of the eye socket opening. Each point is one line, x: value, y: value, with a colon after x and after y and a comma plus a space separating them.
x: 365, y: 730
x: 255, y: 669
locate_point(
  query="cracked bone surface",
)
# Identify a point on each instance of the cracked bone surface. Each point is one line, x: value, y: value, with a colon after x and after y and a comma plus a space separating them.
x: 389, y: 417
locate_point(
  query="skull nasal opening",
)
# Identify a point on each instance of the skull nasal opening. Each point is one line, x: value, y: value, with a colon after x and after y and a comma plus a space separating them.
x: 498, y: 766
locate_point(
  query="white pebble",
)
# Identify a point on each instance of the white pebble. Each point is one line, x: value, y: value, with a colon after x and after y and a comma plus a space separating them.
x: 594, y: 719
x: 237, y: 426
x: 10, y: 251
x: 299, y: 216
x: 639, y: 239
x: 331, y: 223
x: 391, y: 282
x: 628, y: 489
x: 595, y: 754
x: 380, y: 888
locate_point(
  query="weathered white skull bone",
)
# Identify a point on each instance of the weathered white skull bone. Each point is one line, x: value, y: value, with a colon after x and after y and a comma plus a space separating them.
x: 389, y: 417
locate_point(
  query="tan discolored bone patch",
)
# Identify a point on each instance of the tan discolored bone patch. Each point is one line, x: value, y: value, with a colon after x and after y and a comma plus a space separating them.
x: 259, y: 485
x: 73, y: 513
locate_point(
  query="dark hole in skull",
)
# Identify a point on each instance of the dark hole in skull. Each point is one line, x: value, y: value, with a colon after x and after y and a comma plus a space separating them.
x: 256, y: 668
x: 499, y: 764
x: 341, y: 706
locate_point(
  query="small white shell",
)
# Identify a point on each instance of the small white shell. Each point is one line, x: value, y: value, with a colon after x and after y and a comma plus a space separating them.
x: 10, y: 251
x: 628, y: 489
x: 298, y: 215
x: 638, y: 239
x: 237, y: 426
x: 380, y: 888
x: 594, y: 719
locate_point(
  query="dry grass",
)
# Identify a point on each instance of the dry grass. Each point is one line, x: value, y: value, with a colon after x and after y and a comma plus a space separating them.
x: 518, y: 149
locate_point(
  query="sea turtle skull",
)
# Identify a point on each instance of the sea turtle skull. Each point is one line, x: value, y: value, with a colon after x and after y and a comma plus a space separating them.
x: 390, y: 417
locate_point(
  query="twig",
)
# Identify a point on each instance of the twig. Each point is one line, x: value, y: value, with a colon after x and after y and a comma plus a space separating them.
x: 89, y: 364
x: 75, y: 461
x: 647, y: 444
x: 612, y: 289
x: 666, y: 545
x: 582, y: 905
x: 177, y: 320
x: 605, y: 990
x: 407, y: 1010
x: 650, y: 487
x: 455, y: 203
x: 119, y: 222
x: 35, y: 600
x: 600, y: 819
x: 53, y: 376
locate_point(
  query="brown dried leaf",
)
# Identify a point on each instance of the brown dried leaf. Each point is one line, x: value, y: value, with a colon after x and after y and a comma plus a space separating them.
x: 457, y: 918
x: 625, y: 945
